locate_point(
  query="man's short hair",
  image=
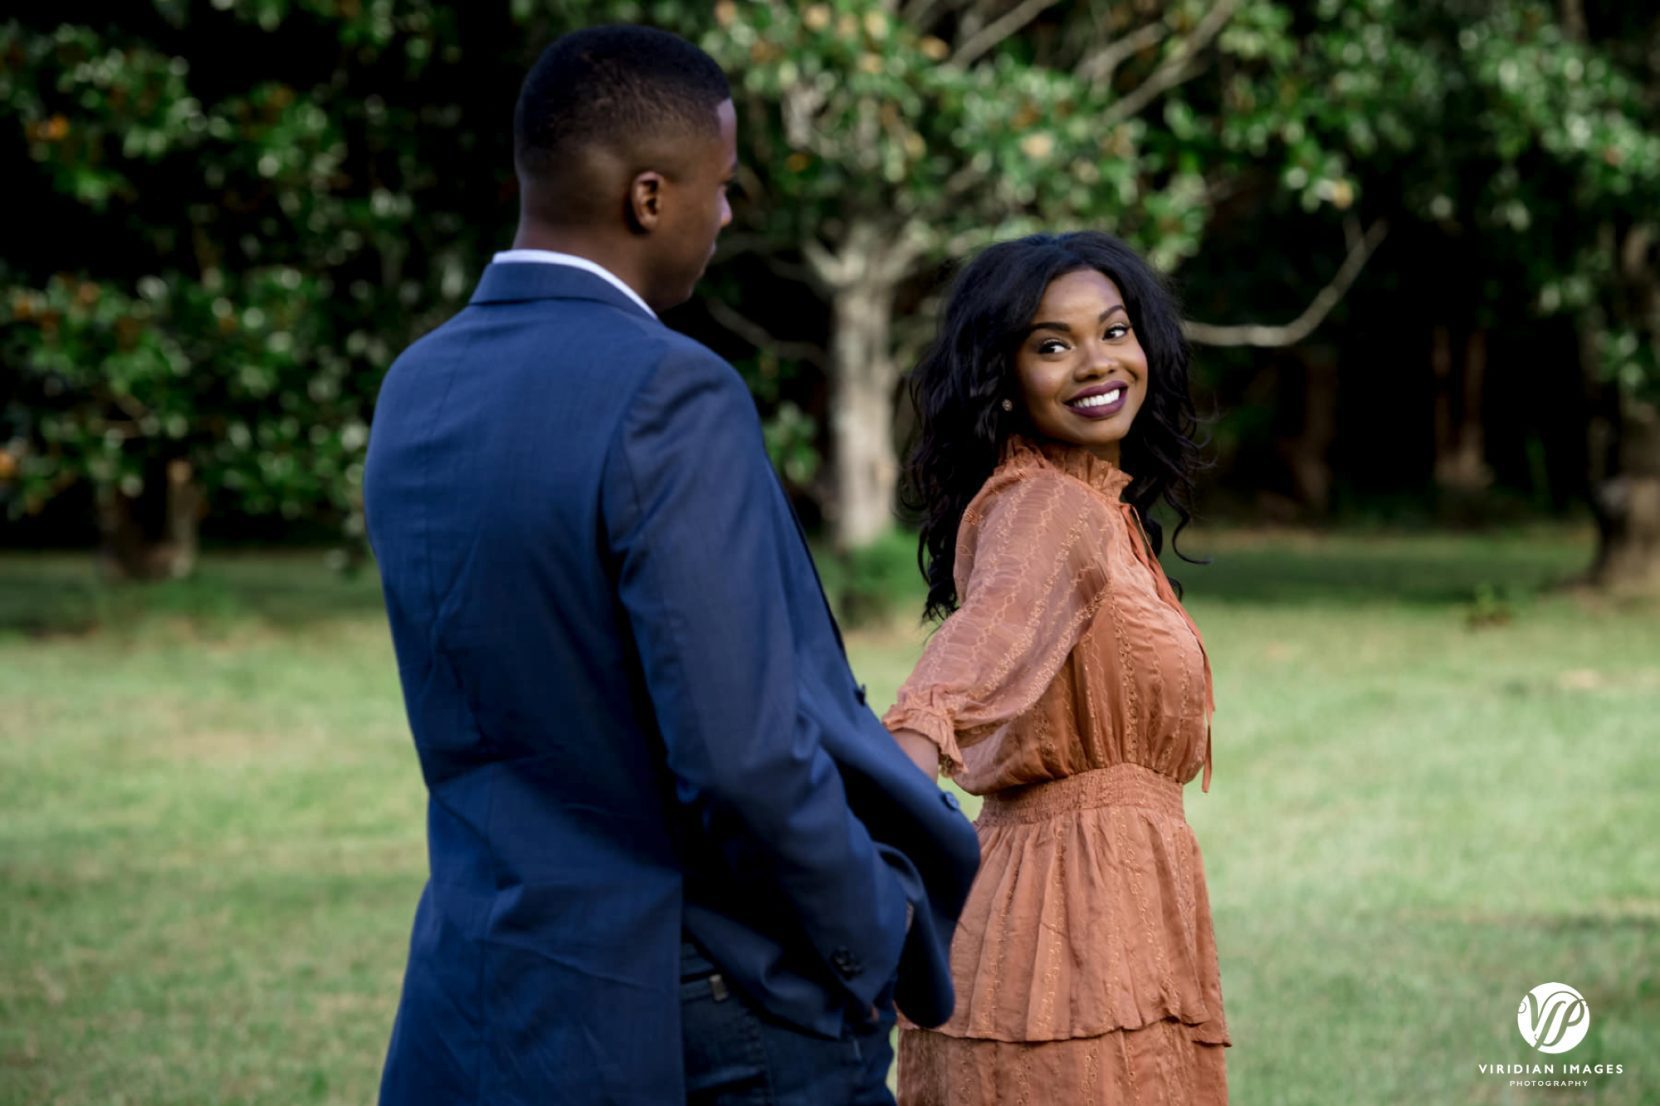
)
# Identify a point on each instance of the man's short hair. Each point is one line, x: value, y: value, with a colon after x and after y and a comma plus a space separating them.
x: 615, y: 87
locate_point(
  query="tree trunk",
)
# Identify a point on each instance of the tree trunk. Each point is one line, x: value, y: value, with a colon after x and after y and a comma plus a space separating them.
x: 1625, y: 434
x: 863, y: 461
x: 128, y: 553
x: 184, y: 516
x: 1440, y: 362
x: 1628, y: 507
x: 1470, y: 469
x: 1460, y: 442
x: 860, y: 277
x: 124, y: 552
x: 1308, y: 455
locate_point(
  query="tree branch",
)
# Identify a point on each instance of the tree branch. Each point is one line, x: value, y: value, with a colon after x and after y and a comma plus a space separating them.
x: 789, y: 270
x: 758, y: 336
x: 736, y: 243
x: 919, y: 13
x: 989, y: 36
x: 967, y: 176
x: 130, y: 406
x: 1313, y: 315
x: 826, y: 267
x: 896, y: 262
x: 800, y: 103
x: 750, y: 242
x: 1634, y: 251
x: 1099, y: 66
x: 1178, y: 67
x: 1573, y: 19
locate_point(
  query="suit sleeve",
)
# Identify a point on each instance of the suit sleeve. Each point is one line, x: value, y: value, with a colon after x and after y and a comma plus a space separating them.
x: 1032, y: 576
x: 692, y: 510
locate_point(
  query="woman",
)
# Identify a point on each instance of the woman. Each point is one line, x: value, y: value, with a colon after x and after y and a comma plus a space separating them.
x: 1067, y: 685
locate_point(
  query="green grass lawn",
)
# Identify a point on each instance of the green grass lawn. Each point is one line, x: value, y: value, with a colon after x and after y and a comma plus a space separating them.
x: 1437, y: 785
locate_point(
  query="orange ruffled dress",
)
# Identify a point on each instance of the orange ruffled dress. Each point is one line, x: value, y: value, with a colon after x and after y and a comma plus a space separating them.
x: 1072, y: 690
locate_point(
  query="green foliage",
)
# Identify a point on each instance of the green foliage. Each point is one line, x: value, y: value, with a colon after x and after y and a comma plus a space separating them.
x: 245, y: 385
x: 791, y: 434
x: 1534, y: 143
x: 858, y: 119
x: 880, y: 583
x: 1491, y: 606
x: 262, y: 201
x: 252, y: 260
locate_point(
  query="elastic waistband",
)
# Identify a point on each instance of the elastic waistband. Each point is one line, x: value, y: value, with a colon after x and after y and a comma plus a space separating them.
x: 1115, y: 785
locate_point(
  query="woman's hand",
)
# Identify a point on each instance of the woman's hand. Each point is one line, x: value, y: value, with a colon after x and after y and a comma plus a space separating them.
x: 923, y: 753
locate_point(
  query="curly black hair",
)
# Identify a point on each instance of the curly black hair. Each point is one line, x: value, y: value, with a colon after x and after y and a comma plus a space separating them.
x: 962, y: 379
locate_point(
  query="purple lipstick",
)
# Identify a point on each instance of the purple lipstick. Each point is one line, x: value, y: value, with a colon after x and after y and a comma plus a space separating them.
x: 1100, y: 401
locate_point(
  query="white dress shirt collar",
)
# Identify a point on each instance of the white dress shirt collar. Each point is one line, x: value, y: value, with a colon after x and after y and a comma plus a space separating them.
x: 551, y: 257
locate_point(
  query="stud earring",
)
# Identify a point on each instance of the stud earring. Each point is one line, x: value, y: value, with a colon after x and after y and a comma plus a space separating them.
x: 1008, y: 405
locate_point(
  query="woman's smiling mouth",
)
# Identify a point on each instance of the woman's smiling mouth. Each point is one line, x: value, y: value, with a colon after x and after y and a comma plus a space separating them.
x: 1099, y: 402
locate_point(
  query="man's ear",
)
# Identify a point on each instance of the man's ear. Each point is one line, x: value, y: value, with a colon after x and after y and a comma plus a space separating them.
x: 645, y: 200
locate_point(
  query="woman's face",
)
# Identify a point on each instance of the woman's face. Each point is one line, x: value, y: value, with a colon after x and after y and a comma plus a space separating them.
x: 1083, y: 374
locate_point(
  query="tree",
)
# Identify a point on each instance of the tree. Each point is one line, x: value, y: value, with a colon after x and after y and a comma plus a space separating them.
x: 1584, y: 95
x: 243, y: 211
x: 227, y: 255
x: 246, y: 209
x: 887, y: 139
x: 1535, y: 157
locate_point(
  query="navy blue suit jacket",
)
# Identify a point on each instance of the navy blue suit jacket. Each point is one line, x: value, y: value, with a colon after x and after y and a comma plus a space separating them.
x: 633, y: 714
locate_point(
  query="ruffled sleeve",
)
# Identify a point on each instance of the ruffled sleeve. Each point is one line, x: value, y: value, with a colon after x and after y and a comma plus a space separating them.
x: 1031, y: 574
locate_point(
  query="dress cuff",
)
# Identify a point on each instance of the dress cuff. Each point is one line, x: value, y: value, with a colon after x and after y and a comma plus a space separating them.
x: 933, y: 725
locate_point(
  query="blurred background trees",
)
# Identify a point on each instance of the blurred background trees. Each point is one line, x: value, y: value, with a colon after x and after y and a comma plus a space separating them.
x: 230, y: 218
x: 1417, y: 242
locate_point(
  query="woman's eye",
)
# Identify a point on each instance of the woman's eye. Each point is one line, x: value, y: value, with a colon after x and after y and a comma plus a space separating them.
x: 1051, y: 345
x: 1117, y: 330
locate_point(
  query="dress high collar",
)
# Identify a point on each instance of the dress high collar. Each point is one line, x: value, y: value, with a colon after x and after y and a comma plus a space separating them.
x: 1076, y: 461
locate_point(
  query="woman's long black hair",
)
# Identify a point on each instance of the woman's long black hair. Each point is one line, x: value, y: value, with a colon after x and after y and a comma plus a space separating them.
x: 968, y: 371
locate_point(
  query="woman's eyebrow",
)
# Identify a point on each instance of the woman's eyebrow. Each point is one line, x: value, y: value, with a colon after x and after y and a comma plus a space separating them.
x: 1064, y: 329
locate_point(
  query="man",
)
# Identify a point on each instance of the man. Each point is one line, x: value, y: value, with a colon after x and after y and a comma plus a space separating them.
x: 673, y: 854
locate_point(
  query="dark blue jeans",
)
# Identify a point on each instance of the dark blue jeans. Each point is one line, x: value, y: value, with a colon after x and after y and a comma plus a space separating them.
x: 739, y: 1056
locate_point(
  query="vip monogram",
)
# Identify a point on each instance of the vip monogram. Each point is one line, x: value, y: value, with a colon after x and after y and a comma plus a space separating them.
x: 1553, y: 1017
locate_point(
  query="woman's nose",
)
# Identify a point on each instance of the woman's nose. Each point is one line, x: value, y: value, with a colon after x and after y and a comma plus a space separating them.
x: 1096, y: 361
